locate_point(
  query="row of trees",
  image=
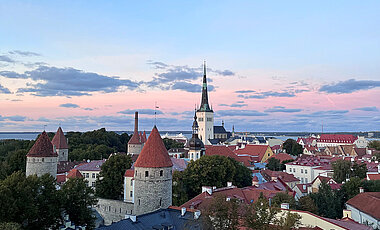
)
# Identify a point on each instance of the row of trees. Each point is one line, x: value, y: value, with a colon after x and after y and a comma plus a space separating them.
x: 208, y: 171
x: 346, y: 169
x: 34, y: 202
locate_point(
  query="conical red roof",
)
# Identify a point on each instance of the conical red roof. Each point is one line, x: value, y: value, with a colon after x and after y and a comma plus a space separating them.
x: 42, y: 148
x: 74, y: 173
x: 135, y: 139
x: 154, y: 153
x: 59, y: 140
x: 144, y: 137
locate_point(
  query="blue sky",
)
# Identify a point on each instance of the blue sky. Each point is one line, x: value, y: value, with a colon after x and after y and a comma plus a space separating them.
x: 331, y: 49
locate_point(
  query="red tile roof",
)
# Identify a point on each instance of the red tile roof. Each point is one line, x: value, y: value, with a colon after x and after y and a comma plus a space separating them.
x: 219, y: 150
x: 129, y: 173
x: 374, y: 176
x: 61, y: 178
x: 255, y: 178
x: 91, y: 166
x: 246, y: 195
x: 253, y: 150
x: 154, y: 153
x: 348, y: 223
x: 303, y: 187
x: 324, y: 179
x: 368, y: 202
x: 59, y: 140
x: 282, y: 157
x: 337, y: 138
x: 42, y: 147
x: 74, y: 173
x: 286, y: 177
x: 135, y: 139
x: 65, y: 166
x: 144, y: 137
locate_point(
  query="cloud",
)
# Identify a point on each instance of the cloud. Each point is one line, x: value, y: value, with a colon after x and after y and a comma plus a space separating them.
x: 24, y: 53
x: 368, y: 109
x: 68, y: 82
x: 349, y: 86
x: 4, y: 90
x: 245, y: 91
x: 13, y: 118
x: 263, y: 95
x: 69, y: 105
x: 177, y: 77
x: 230, y: 112
x: 141, y: 111
x: 333, y: 114
x: 4, y: 58
x: 88, y: 109
x: 234, y: 105
x: 281, y: 109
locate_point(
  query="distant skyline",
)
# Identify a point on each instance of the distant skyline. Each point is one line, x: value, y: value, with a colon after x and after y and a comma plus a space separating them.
x: 271, y: 66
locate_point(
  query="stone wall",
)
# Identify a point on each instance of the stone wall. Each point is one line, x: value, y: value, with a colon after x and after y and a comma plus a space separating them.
x: 63, y: 154
x: 41, y: 165
x: 135, y: 148
x: 153, y: 190
x: 113, y: 210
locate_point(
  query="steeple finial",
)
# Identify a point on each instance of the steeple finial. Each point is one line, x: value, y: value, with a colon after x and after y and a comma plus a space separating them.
x: 205, y: 107
x: 204, y: 68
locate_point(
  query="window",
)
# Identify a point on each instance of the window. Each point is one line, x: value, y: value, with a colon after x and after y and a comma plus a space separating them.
x: 301, y: 180
x: 93, y: 175
x: 161, y: 172
x: 160, y: 201
x: 136, y: 173
x: 139, y: 201
x: 200, y: 119
x: 42, y: 159
x: 209, y: 119
x: 131, y: 193
x: 146, y: 173
x: 131, y: 182
x: 93, y: 184
x: 301, y: 170
x: 305, y: 180
x: 294, y: 169
x: 305, y: 171
x: 87, y: 175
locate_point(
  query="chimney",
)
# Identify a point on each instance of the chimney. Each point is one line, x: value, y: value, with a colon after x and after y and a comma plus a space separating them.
x: 347, y: 213
x: 133, y: 218
x: 361, y: 189
x: 207, y: 189
x: 183, y: 211
x: 229, y: 184
x: 136, y: 122
x: 197, y: 214
x: 285, y: 205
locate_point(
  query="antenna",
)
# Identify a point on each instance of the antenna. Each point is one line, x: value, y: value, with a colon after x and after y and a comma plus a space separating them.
x: 45, y: 127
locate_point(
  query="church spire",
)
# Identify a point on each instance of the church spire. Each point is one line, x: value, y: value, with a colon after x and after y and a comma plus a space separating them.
x: 204, y: 101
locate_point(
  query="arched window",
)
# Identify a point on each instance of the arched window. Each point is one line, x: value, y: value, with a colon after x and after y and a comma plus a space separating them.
x: 161, y: 172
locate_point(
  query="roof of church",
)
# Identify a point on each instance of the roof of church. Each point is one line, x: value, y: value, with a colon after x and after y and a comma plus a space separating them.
x: 59, y: 140
x: 42, y: 148
x: 154, y: 153
x: 219, y: 129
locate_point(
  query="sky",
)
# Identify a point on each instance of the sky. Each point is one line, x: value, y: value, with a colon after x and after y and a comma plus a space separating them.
x: 271, y: 65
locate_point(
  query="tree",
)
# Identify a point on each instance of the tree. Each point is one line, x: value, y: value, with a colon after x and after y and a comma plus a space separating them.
x: 288, y: 221
x: 78, y: 199
x: 179, y: 189
x: 211, y: 171
x: 374, y: 144
x: 222, y: 213
x: 274, y: 164
x: 371, y: 185
x: 10, y: 226
x: 327, y: 202
x: 351, y: 187
x: 359, y: 170
x: 110, y: 181
x: 342, y: 170
x: 292, y: 147
x: 259, y: 215
x: 282, y: 197
x: 172, y: 144
x: 306, y: 203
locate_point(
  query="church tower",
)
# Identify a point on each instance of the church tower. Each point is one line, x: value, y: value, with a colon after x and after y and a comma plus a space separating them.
x: 195, y: 146
x: 153, y: 176
x: 41, y: 158
x: 205, y: 115
x: 60, y: 145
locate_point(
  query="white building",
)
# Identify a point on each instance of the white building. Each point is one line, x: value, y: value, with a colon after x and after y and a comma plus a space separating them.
x: 90, y: 171
x: 364, y: 208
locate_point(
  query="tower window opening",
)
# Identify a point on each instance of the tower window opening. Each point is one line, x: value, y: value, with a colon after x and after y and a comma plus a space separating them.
x: 161, y: 172
x: 139, y: 201
x: 146, y: 173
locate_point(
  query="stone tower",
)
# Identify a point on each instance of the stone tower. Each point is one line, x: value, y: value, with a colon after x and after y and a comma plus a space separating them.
x: 153, y: 176
x: 205, y: 114
x: 60, y: 145
x: 41, y: 158
x: 195, y: 146
x: 135, y: 144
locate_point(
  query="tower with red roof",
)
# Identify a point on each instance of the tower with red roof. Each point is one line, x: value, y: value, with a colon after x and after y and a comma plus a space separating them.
x: 135, y: 144
x: 41, y: 158
x: 60, y: 145
x: 153, y: 176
